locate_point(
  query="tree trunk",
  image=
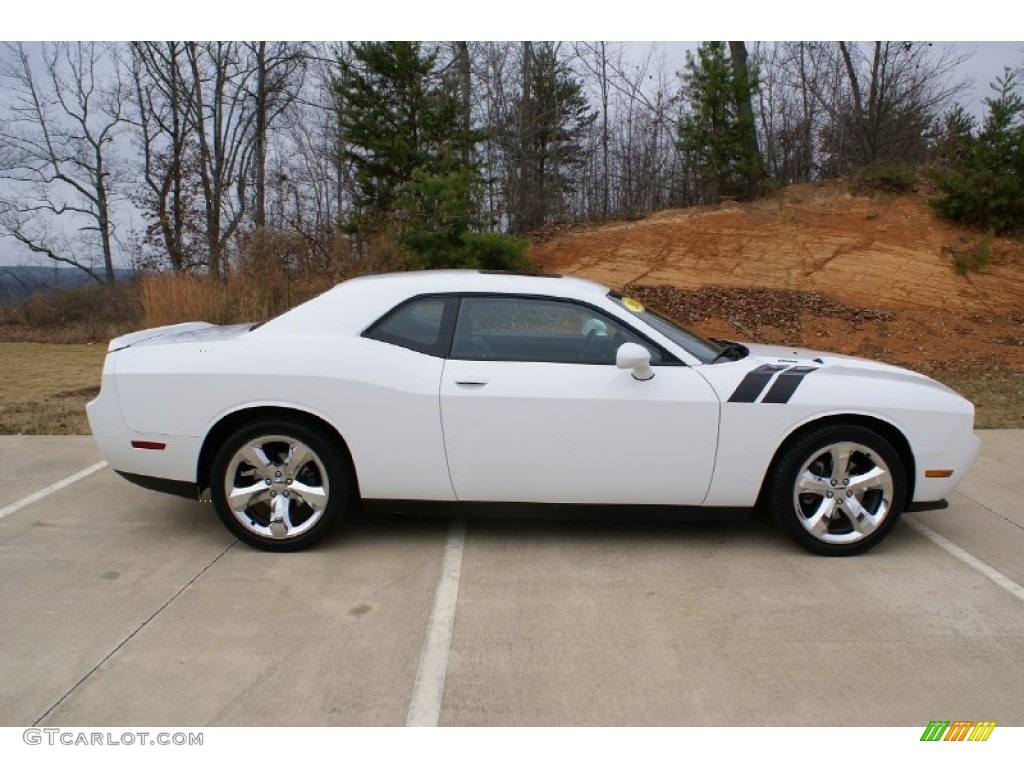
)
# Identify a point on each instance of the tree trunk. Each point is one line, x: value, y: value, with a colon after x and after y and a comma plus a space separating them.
x: 744, y: 107
x: 605, y: 181
x: 465, y: 96
x: 260, y: 215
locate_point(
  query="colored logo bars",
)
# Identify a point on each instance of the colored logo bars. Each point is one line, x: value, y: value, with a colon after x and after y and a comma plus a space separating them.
x: 958, y: 730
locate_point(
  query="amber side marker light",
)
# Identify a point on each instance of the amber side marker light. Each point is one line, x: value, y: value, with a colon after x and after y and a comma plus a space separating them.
x: 148, y: 445
x: 938, y: 472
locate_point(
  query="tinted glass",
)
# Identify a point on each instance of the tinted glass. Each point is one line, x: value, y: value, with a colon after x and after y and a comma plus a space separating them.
x: 416, y: 325
x: 538, y: 330
x: 701, y: 348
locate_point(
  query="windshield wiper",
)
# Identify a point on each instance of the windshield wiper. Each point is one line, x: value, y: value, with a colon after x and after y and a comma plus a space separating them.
x: 729, y: 348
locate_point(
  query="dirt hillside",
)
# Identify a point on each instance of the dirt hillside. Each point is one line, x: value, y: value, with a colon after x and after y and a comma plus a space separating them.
x: 882, y: 251
x: 817, y: 266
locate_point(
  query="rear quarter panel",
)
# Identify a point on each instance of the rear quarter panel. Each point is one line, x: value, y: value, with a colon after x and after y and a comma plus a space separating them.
x: 382, y: 399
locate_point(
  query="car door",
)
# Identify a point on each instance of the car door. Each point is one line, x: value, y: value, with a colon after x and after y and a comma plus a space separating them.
x: 535, y: 410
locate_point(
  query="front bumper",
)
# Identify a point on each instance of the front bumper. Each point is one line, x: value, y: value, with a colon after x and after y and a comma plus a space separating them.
x: 959, y: 454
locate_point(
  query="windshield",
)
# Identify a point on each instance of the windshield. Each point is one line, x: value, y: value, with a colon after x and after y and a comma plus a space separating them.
x: 704, y: 350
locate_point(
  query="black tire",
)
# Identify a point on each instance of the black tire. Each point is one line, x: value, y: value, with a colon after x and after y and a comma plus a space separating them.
x: 806, y: 495
x: 272, y: 513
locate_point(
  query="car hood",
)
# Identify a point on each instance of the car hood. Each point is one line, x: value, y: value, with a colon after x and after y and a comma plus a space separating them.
x: 837, y: 365
x: 178, y: 334
x: 780, y: 355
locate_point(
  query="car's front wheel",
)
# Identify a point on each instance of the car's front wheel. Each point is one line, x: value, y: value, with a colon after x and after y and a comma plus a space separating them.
x: 838, y: 489
x: 278, y: 485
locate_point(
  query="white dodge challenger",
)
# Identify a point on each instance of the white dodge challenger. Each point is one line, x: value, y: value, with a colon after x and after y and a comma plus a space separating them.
x: 495, y: 389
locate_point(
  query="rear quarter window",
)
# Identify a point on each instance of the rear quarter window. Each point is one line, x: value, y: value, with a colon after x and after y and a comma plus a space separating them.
x: 417, y: 325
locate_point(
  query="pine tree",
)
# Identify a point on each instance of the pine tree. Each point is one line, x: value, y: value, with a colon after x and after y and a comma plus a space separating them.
x: 396, y: 117
x: 714, y: 136
x: 983, y: 183
x: 411, y: 148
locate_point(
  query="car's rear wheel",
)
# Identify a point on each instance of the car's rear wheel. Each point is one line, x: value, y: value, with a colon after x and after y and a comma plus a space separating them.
x: 838, y: 489
x: 278, y: 485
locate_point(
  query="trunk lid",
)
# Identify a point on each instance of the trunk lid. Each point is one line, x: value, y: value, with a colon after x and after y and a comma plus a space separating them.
x: 178, y: 334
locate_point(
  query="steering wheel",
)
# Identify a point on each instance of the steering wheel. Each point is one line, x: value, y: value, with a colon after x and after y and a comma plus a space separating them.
x: 479, y: 348
x: 588, y: 345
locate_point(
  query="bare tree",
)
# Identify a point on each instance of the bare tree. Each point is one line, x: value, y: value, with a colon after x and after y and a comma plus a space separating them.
x: 790, y: 119
x: 220, y: 106
x: 594, y: 58
x: 312, y: 181
x: 280, y: 70
x: 171, y: 198
x: 58, y: 133
x: 886, y: 96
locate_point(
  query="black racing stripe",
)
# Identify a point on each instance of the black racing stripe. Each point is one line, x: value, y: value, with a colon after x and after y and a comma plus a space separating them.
x: 753, y: 383
x: 786, y: 385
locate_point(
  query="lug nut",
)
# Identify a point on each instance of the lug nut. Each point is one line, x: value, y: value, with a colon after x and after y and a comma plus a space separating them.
x: 285, y: 494
x: 290, y: 481
x: 829, y: 494
x: 268, y: 481
x: 833, y: 482
x: 849, y: 494
x: 272, y: 494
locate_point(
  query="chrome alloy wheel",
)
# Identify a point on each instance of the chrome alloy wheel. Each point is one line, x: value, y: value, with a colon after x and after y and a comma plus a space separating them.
x: 276, y: 487
x: 843, y: 493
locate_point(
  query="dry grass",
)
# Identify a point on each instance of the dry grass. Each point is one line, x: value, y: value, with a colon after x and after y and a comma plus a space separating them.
x: 89, y: 313
x: 275, y: 272
x: 44, y: 387
x: 168, y: 299
x: 997, y: 393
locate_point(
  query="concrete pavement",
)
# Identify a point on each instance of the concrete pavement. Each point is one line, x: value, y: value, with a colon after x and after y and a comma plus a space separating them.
x: 125, y: 607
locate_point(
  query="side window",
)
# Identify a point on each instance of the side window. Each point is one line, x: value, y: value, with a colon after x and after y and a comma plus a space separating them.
x: 417, y: 325
x: 538, y: 330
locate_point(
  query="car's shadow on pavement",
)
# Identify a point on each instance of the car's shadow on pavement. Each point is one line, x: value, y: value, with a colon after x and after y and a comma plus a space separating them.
x: 585, y: 526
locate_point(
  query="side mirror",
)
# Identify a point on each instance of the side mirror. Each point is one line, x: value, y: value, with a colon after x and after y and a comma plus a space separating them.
x: 633, y: 357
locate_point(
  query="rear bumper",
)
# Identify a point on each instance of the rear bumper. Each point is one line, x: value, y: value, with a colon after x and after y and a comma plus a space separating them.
x: 173, y: 487
x: 176, y: 461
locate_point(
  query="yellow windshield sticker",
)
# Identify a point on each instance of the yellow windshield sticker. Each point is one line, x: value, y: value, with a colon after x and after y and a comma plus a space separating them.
x: 632, y: 305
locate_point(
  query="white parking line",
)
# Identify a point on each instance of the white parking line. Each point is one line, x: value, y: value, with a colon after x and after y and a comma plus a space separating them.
x: 967, y: 558
x: 428, y: 690
x: 10, y: 509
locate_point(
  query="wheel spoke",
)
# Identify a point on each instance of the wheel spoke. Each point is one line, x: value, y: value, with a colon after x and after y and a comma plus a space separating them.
x: 254, y: 455
x: 817, y: 524
x: 876, y: 477
x: 298, y: 455
x: 840, y: 462
x: 862, y: 520
x: 280, y: 517
x: 240, y: 499
x: 314, y: 495
x: 811, y: 483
